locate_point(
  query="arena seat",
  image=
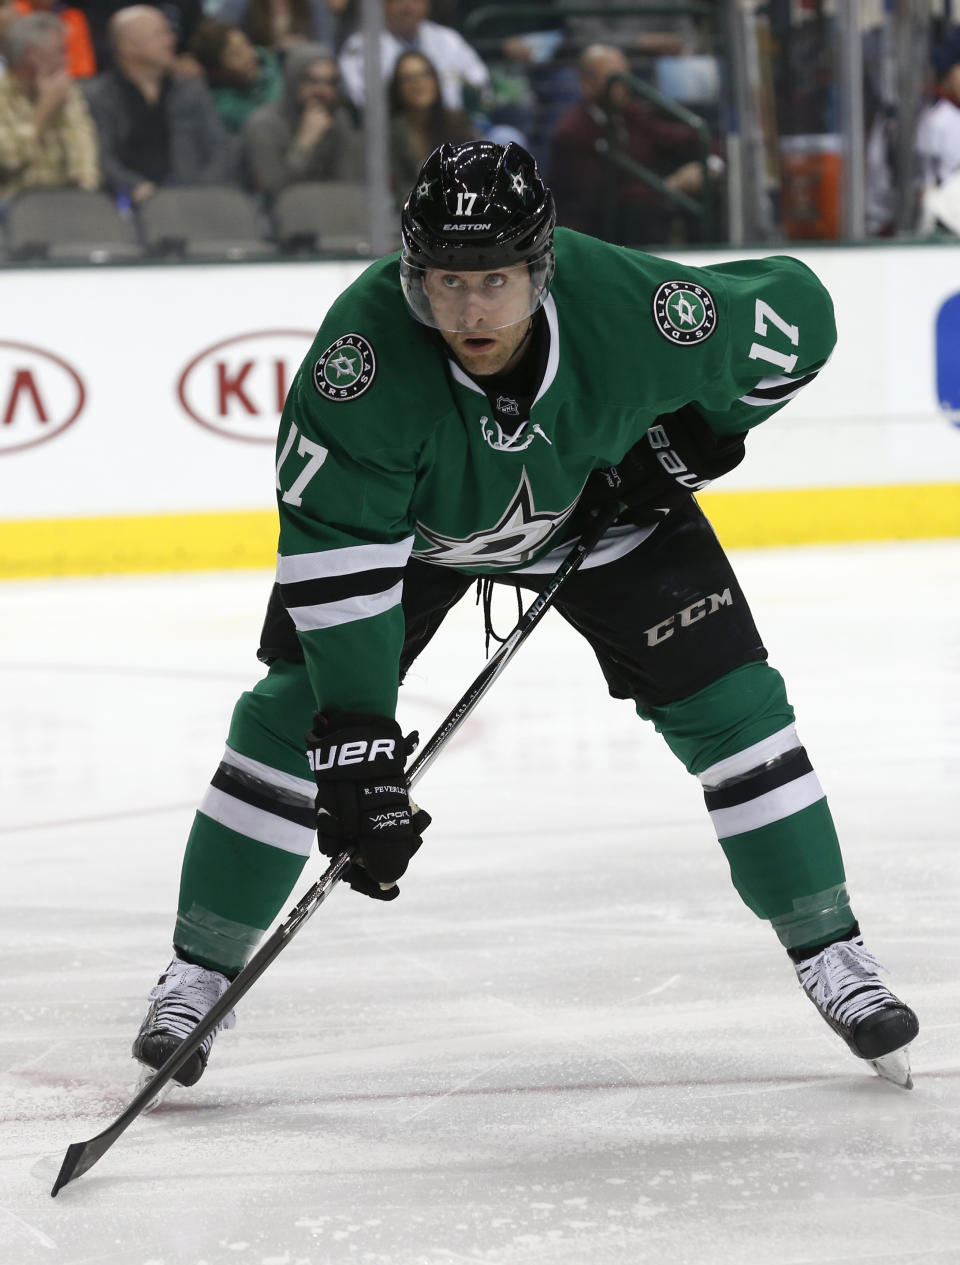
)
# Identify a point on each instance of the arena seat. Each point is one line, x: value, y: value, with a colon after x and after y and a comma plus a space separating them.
x: 322, y: 216
x: 204, y: 221
x: 69, y: 225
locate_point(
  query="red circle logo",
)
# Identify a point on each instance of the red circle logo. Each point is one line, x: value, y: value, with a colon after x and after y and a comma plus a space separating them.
x: 237, y: 387
x: 40, y: 396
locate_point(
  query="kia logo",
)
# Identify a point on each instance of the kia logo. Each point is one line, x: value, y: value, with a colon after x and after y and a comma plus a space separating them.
x: 40, y: 395
x: 238, y: 387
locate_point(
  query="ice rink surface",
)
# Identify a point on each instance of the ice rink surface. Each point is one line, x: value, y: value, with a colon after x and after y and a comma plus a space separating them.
x: 568, y: 1042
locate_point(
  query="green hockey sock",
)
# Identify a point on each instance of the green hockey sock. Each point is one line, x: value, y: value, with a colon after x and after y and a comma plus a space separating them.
x: 765, y: 801
x: 790, y: 872
x: 255, y: 827
x: 231, y: 889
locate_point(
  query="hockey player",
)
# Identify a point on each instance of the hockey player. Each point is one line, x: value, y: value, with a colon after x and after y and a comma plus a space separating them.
x: 461, y: 413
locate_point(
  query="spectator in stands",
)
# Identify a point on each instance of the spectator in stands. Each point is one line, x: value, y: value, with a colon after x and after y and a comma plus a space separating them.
x: 308, y: 133
x: 938, y: 143
x: 155, y: 129
x: 597, y: 197
x: 282, y: 24
x: 183, y: 16
x: 938, y: 131
x: 241, y: 76
x: 346, y: 17
x: 8, y: 14
x: 81, y: 61
x: 419, y: 121
x: 407, y: 27
x: 47, y: 138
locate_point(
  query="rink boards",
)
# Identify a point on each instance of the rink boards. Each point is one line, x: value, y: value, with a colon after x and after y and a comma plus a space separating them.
x: 139, y: 408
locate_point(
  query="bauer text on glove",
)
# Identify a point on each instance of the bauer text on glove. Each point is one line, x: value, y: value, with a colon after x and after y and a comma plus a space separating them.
x: 363, y: 798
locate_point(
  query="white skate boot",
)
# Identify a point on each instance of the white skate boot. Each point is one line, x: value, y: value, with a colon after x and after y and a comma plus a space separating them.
x: 843, y: 982
x: 178, y: 1001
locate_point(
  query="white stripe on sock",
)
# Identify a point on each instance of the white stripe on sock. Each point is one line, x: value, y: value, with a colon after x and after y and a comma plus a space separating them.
x: 750, y: 758
x: 272, y: 776
x: 766, y: 809
x: 257, y: 823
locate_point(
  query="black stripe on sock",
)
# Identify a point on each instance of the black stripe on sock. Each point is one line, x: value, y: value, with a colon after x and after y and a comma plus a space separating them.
x: 769, y: 777
x: 336, y: 588
x: 259, y: 796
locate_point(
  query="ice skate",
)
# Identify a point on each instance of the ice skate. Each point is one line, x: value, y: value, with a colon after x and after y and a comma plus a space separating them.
x: 178, y: 1001
x: 843, y: 982
x: 145, y: 1076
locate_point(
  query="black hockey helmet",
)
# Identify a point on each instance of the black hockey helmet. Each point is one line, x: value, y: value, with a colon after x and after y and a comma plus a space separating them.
x: 477, y: 207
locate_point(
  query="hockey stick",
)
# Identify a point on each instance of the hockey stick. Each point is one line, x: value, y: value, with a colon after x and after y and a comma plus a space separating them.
x: 82, y: 1156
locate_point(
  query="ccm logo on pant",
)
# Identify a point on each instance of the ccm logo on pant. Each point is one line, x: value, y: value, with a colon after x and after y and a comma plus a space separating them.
x: 360, y: 752
x: 691, y: 614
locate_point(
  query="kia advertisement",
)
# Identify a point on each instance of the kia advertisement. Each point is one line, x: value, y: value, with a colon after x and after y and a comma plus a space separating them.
x: 237, y: 387
x: 41, y: 394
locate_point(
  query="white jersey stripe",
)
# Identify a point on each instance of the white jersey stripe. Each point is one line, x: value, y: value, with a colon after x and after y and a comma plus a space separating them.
x: 306, y: 787
x: 775, y: 380
x: 758, y: 401
x: 346, y: 611
x: 777, y: 389
x: 257, y: 823
x: 293, y: 568
x: 766, y: 809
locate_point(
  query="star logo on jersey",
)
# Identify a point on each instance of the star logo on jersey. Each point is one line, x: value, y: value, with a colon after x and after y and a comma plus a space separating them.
x: 684, y: 312
x: 511, y: 542
x: 346, y: 369
x: 345, y: 365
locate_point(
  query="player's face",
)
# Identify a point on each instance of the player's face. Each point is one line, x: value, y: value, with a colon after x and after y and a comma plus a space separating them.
x: 482, y: 316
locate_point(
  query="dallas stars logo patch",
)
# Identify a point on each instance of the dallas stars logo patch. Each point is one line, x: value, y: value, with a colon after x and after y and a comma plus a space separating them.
x: 684, y: 313
x: 346, y: 369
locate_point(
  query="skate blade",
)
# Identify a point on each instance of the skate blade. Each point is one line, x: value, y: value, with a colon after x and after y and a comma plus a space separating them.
x: 894, y: 1067
x: 146, y: 1076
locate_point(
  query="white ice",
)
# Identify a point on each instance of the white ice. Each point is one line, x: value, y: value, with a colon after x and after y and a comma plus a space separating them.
x: 568, y: 1042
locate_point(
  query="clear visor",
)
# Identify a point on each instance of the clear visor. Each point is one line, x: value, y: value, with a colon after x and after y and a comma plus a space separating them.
x: 464, y: 302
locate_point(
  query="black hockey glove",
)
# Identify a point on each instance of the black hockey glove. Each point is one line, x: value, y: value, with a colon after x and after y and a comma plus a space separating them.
x: 363, y: 798
x: 679, y: 455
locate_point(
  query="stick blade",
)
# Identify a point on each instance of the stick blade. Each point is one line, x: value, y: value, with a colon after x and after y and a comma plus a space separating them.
x: 80, y: 1157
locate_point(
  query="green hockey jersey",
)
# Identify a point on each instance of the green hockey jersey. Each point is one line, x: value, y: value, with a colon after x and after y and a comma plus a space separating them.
x: 387, y: 449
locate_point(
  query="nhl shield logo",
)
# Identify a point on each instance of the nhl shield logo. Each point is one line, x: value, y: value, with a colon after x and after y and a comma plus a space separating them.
x: 346, y: 369
x: 684, y: 313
